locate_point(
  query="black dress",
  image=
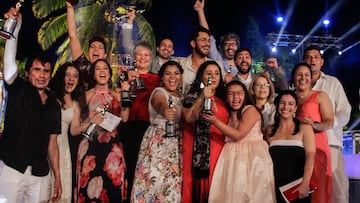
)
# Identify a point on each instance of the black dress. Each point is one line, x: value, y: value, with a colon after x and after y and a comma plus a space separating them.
x: 289, y: 160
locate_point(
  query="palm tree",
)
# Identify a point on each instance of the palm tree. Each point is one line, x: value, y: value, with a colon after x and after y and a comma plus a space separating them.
x: 94, y: 17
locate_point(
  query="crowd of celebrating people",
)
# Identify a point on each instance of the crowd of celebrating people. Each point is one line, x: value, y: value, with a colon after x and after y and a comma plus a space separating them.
x: 200, y: 128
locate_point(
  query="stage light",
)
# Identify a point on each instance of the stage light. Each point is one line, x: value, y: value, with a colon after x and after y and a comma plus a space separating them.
x: 326, y: 22
x: 321, y: 51
x: 349, y: 47
x: 279, y: 19
x: 332, y: 10
x: 339, y: 53
x: 273, y: 49
x: 293, y: 51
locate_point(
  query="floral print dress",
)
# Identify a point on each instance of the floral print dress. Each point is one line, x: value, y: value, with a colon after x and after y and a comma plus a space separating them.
x: 100, y: 161
x: 158, y: 173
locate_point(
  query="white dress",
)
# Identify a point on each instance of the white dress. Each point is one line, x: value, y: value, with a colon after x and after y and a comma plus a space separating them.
x: 244, y: 171
x: 64, y: 157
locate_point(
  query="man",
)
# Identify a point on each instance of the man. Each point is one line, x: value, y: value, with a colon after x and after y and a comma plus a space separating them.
x: 165, y: 52
x: 342, y: 110
x: 276, y: 73
x: 32, y: 123
x: 229, y: 42
x: 243, y: 62
x: 200, y: 44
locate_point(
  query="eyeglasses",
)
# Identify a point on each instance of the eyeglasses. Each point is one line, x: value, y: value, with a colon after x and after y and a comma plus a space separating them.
x: 260, y: 85
x: 237, y: 93
x: 204, y: 40
x: 230, y: 44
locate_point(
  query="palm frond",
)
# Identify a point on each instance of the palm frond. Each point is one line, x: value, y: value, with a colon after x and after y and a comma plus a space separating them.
x: 51, y: 30
x: 42, y: 8
x: 146, y: 31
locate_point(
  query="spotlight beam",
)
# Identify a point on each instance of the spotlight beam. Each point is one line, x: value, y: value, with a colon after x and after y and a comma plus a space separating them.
x: 351, y: 46
x: 349, y: 32
x: 288, y: 14
x: 332, y: 10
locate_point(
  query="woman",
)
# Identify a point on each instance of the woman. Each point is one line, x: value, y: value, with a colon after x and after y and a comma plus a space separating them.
x: 100, y: 163
x: 292, y: 147
x: 69, y: 90
x: 202, y: 142
x: 158, y: 174
x: 315, y: 110
x: 244, y: 171
x: 138, y: 122
x: 262, y: 92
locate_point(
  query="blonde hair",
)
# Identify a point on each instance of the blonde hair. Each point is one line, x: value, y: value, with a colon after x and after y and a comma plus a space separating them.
x: 272, y: 88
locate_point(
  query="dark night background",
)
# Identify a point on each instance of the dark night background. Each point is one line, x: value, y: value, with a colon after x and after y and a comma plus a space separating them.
x: 176, y: 19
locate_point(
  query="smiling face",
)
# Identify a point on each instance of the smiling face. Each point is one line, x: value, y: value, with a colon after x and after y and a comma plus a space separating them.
x: 302, y: 77
x: 212, y: 71
x: 171, y: 78
x: 261, y: 88
x: 71, y: 79
x: 243, y: 62
x: 235, y: 96
x: 229, y: 48
x: 287, y: 106
x: 96, y: 51
x: 101, y: 73
x: 314, y: 59
x: 165, y: 49
x: 202, y: 44
x: 142, y: 57
x: 39, y: 74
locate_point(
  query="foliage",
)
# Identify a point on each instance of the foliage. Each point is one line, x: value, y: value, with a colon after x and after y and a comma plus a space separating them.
x: 92, y: 19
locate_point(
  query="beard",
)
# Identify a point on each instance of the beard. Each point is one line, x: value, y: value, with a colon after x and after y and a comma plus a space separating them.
x: 243, y: 71
x: 200, y: 52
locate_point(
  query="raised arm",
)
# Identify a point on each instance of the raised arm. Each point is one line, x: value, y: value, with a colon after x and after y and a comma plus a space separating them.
x: 10, y: 66
x: 199, y: 8
x: 75, y: 46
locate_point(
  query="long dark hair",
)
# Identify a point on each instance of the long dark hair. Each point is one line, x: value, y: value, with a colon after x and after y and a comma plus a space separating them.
x: 277, y: 114
x: 92, y: 81
x: 57, y: 85
x: 195, y: 87
x: 248, y: 100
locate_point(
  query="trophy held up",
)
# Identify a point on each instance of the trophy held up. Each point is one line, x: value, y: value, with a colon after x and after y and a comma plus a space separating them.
x: 9, y: 25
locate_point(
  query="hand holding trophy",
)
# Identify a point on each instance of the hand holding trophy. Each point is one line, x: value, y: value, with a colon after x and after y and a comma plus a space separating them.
x: 9, y: 25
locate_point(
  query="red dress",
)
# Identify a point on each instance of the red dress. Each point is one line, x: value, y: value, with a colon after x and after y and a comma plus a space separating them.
x: 311, y: 108
x: 216, y: 144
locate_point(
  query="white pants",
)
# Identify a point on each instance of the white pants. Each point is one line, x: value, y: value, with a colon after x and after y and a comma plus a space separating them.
x: 340, y: 181
x: 16, y: 187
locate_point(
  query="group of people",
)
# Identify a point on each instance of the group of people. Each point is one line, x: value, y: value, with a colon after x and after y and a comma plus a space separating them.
x: 201, y: 128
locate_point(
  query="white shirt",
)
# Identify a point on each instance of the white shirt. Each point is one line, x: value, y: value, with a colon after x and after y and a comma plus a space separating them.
x: 340, y: 104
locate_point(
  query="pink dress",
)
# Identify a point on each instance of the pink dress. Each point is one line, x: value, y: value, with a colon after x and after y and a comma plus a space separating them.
x: 322, y: 168
x: 244, y: 171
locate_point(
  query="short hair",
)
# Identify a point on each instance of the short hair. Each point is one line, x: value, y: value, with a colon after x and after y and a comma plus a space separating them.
x: 98, y: 39
x: 312, y: 47
x: 169, y: 63
x: 195, y: 33
x: 42, y: 57
x: 144, y: 44
x: 240, y: 50
x: 229, y: 36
